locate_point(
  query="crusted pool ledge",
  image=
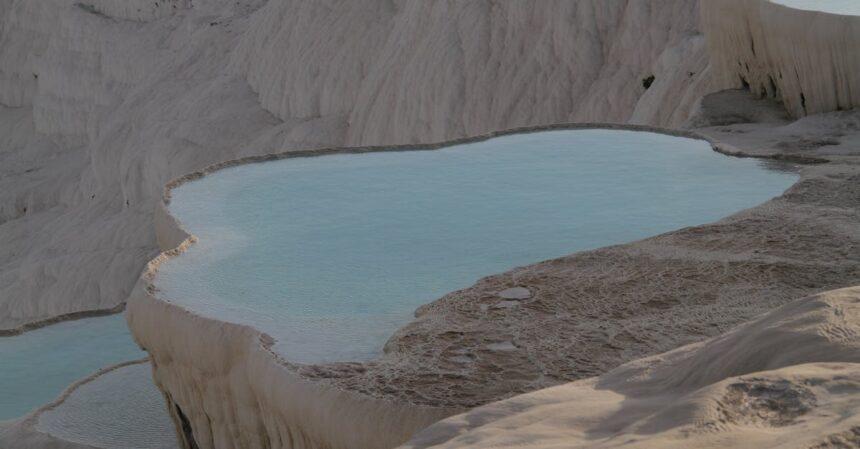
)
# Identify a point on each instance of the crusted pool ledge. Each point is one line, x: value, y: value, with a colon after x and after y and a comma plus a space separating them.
x: 586, y: 314
x: 240, y: 380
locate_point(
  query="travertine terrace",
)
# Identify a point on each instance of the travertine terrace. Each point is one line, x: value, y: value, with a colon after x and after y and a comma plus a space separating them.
x: 677, y: 288
x: 105, y: 102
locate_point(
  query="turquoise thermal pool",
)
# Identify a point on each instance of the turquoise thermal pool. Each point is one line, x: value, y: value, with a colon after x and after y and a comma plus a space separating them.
x: 36, y: 366
x: 331, y: 254
x: 843, y: 7
x: 119, y: 409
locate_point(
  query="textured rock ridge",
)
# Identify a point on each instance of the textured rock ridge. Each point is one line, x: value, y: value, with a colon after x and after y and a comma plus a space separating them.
x: 788, y: 379
x: 807, y: 59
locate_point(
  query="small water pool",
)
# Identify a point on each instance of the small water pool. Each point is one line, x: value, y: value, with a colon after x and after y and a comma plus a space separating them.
x: 842, y: 7
x: 36, y: 366
x: 119, y: 409
x: 330, y: 255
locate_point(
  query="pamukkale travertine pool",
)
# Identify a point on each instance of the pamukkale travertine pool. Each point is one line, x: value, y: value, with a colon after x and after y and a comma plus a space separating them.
x: 331, y: 254
x: 35, y: 367
x: 120, y: 409
x: 845, y: 7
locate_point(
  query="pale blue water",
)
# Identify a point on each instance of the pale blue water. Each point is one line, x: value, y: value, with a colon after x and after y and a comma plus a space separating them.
x: 35, y: 367
x: 844, y: 7
x: 330, y: 255
x: 119, y: 409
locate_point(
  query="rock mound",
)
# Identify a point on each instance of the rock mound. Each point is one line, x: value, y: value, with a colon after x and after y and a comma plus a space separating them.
x: 783, y: 380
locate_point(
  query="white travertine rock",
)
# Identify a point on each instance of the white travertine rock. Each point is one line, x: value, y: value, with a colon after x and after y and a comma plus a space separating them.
x: 223, y: 381
x: 101, y: 105
x: 809, y: 60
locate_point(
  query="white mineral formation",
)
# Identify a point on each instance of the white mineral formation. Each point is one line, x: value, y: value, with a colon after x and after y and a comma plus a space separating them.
x: 807, y: 59
x: 104, y: 102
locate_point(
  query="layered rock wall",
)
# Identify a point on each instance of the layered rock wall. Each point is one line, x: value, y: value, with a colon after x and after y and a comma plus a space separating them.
x: 809, y: 60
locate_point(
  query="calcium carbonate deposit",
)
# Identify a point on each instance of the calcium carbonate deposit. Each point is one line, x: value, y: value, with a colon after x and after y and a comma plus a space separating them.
x: 368, y: 268
x: 330, y: 255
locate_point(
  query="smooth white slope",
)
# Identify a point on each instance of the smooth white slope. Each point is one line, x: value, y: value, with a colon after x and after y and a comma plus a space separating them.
x: 787, y: 380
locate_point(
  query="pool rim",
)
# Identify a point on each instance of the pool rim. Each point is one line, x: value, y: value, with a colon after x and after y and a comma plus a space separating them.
x: 184, y: 239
